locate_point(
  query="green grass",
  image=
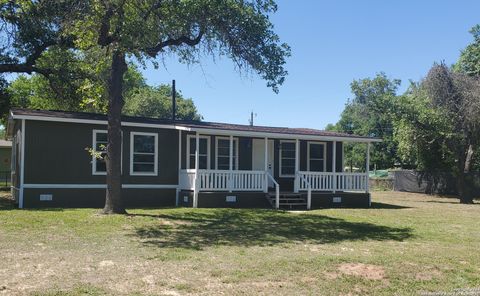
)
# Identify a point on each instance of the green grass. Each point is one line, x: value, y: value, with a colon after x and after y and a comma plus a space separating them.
x: 405, y: 244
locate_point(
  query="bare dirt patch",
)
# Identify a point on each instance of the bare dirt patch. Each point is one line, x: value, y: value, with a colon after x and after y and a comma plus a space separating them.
x: 367, y: 271
x: 428, y: 275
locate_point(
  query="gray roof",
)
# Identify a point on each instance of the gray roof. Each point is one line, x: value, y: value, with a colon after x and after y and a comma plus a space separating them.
x: 189, y: 124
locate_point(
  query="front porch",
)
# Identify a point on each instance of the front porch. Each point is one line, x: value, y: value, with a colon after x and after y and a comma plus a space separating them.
x: 279, y: 169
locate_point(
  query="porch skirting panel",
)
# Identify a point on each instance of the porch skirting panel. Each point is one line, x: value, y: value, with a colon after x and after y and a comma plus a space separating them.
x: 259, y: 199
x: 95, y: 197
x: 340, y: 200
x: 219, y: 199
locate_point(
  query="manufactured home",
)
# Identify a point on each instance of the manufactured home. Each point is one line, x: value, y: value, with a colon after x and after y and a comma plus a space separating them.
x: 169, y: 163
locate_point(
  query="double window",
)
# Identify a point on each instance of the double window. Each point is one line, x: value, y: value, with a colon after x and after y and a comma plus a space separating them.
x: 143, y: 154
x: 287, y: 158
x: 223, y: 154
x: 203, y: 153
x: 316, y: 157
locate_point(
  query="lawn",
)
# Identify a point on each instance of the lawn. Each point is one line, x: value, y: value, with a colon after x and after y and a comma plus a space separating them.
x: 405, y: 244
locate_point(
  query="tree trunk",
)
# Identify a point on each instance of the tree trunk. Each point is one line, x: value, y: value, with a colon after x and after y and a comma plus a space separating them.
x: 464, y: 167
x: 113, y: 199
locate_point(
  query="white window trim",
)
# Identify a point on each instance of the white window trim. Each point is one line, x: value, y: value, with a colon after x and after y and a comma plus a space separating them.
x: 155, y: 165
x: 280, y: 159
x: 236, y: 140
x: 324, y: 154
x: 94, y: 145
x: 189, y: 137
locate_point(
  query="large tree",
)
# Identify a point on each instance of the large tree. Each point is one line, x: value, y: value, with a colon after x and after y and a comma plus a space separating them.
x: 370, y: 113
x: 441, y: 126
x: 469, y: 61
x: 143, y: 30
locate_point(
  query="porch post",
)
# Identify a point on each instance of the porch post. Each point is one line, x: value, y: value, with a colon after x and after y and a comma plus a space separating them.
x: 334, y: 166
x: 297, y: 166
x: 367, y: 168
x: 230, y: 165
x: 265, y: 186
x: 197, y: 182
x: 179, y: 182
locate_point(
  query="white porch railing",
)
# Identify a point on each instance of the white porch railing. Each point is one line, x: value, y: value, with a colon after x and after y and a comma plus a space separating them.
x: 223, y: 180
x: 329, y: 181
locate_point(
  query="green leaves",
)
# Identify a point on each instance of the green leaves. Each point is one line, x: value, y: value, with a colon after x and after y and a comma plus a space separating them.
x: 156, y: 102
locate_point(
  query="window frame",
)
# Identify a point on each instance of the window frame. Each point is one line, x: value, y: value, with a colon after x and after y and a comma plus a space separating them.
x: 236, y: 141
x: 189, y: 137
x: 155, y: 165
x: 280, y: 152
x: 324, y: 144
x: 94, y: 146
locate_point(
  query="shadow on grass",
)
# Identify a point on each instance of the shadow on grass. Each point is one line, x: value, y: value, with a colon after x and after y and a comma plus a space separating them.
x: 380, y: 205
x: 203, y: 228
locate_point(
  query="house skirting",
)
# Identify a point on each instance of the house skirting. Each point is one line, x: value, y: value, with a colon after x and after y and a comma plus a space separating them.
x: 95, y: 197
x: 259, y: 200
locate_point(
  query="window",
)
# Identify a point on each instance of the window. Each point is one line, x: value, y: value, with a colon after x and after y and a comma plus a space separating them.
x: 203, y: 155
x: 222, y: 162
x: 316, y: 157
x: 143, y: 154
x: 287, y: 159
x: 100, y: 142
x: 15, y: 148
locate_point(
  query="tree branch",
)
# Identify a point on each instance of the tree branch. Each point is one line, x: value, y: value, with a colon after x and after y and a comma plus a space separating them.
x: 24, y: 68
x: 153, y: 51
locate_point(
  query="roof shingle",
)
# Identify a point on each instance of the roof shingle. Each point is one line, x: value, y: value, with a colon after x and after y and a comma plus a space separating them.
x: 188, y: 124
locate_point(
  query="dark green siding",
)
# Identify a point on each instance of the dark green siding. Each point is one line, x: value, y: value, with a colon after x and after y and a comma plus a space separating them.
x: 55, y: 154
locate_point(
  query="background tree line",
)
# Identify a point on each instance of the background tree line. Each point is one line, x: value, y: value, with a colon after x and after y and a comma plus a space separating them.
x: 83, y: 89
x: 433, y: 127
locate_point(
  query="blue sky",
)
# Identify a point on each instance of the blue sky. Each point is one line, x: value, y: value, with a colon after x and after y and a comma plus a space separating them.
x: 333, y: 42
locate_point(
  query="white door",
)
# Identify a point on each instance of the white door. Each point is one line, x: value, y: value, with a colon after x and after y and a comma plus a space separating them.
x: 258, y: 157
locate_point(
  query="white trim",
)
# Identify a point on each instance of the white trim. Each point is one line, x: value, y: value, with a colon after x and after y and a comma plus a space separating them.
x: 324, y: 154
x: 179, y: 151
x: 236, y: 154
x: 367, y: 168
x: 220, y: 132
x: 98, y: 186
x: 280, y: 159
x: 96, y: 121
x: 94, y: 148
x: 271, y: 135
x: 22, y: 166
x: 155, y: 166
x: 189, y: 137
x: 94, y: 145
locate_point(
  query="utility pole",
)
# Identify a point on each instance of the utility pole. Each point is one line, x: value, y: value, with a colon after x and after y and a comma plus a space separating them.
x: 252, y: 115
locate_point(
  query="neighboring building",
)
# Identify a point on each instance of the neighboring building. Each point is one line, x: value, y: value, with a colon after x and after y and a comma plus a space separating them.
x: 5, y: 154
x: 168, y: 163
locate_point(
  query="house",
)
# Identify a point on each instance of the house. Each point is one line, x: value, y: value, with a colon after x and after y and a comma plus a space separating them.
x: 5, y: 153
x: 181, y: 163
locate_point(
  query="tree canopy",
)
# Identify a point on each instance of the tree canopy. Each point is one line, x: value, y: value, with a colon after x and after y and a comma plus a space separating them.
x: 156, y: 102
x: 142, y: 31
x: 370, y: 113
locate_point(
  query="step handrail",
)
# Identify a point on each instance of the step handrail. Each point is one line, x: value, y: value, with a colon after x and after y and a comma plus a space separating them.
x: 309, y: 190
x: 277, y: 190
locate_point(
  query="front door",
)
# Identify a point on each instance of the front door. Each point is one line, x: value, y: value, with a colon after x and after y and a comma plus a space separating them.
x: 258, y: 157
